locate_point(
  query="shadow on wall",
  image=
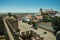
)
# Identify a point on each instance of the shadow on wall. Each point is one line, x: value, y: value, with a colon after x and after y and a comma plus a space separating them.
x: 1, y: 26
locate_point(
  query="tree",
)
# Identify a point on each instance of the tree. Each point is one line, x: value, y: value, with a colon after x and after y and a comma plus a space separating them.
x: 45, y: 18
x: 9, y: 14
x: 55, y: 24
x: 41, y: 10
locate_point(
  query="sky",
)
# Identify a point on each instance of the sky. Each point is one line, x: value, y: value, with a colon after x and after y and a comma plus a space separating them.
x: 28, y: 5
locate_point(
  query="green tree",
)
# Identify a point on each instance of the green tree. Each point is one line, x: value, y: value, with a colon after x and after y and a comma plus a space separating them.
x: 45, y: 18
x: 56, y: 23
x: 9, y: 14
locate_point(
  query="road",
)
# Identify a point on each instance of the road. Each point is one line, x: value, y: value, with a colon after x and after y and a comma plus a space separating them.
x: 25, y: 27
x: 50, y: 28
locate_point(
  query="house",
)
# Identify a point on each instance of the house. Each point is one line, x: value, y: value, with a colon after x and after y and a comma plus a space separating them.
x: 39, y: 17
x: 58, y: 14
x: 48, y: 12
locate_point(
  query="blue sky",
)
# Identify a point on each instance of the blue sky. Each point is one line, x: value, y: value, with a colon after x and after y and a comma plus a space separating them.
x: 28, y: 5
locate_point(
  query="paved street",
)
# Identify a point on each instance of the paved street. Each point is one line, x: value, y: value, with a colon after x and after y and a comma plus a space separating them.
x: 46, y: 27
x: 25, y: 27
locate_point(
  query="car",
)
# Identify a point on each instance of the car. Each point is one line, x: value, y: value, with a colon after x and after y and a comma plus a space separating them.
x: 25, y: 19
